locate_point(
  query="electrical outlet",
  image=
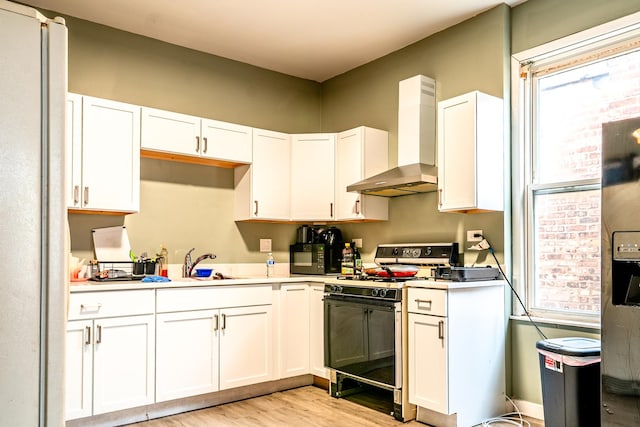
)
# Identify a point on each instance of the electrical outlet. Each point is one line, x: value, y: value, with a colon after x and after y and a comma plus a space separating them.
x: 474, y: 235
x: 358, y: 242
x: 265, y: 245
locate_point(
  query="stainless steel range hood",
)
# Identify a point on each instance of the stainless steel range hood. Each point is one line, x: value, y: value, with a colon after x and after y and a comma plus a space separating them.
x: 416, y: 171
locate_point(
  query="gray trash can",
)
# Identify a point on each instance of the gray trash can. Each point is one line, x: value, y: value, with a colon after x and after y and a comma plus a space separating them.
x: 570, y: 374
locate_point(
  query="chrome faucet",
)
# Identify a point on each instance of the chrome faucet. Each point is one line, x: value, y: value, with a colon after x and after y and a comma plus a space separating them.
x: 189, y: 265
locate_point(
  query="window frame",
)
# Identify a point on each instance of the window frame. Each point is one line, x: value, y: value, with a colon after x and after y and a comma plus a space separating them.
x: 569, y: 50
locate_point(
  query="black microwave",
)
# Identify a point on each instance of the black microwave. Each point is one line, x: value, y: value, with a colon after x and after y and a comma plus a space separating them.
x: 307, y: 258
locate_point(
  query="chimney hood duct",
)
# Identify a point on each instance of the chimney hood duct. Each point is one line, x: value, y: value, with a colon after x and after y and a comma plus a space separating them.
x: 416, y: 171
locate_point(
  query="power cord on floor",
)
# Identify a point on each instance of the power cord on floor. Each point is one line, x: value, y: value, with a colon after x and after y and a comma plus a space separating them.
x: 513, y: 418
x: 492, y: 252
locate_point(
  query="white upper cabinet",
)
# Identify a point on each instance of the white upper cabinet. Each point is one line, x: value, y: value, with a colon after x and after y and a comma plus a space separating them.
x: 175, y: 136
x: 262, y: 189
x: 226, y: 141
x: 360, y: 153
x: 312, y: 172
x: 104, y: 143
x: 168, y: 132
x: 470, y: 153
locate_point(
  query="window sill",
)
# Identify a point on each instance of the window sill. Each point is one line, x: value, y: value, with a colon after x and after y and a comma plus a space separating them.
x: 549, y: 322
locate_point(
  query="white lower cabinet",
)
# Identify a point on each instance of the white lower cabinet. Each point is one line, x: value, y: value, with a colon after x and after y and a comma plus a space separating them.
x: 316, y: 331
x: 79, y: 369
x: 294, y: 329
x: 208, y: 345
x: 456, y: 346
x: 246, y: 346
x: 110, y: 365
x: 186, y: 354
x: 123, y: 363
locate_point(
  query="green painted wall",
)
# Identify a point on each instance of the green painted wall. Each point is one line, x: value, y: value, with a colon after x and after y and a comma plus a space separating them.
x: 185, y: 206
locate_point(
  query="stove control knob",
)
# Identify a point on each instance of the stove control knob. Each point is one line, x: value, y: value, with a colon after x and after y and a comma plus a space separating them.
x: 395, y: 251
x: 382, y: 293
x: 336, y: 288
x: 374, y: 292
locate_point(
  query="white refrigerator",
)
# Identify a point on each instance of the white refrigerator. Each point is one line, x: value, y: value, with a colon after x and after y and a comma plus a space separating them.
x: 33, y: 224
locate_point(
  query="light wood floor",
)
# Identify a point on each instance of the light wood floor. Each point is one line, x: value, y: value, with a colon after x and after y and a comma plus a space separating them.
x: 305, y: 406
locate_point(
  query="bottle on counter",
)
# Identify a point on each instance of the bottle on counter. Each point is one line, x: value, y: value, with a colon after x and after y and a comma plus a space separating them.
x: 163, y: 269
x: 346, y: 268
x: 357, y: 261
x: 271, y: 265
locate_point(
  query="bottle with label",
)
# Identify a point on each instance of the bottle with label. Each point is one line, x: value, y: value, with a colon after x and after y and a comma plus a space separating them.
x: 346, y: 268
x: 163, y: 270
x: 357, y: 261
x: 271, y: 264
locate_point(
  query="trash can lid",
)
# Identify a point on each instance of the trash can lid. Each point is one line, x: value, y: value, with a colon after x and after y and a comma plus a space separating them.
x: 571, y: 346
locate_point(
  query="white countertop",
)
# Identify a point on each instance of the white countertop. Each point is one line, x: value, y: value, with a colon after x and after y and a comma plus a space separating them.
x: 91, y: 286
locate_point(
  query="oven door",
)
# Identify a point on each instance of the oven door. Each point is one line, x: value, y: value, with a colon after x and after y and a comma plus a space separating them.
x: 362, y: 338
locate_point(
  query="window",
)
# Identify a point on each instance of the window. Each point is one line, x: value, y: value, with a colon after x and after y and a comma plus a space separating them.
x: 563, y: 95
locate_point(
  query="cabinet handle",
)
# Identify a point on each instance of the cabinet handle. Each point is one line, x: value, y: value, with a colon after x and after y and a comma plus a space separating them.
x: 98, y: 334
x: 331, y: 210
x: 86, y: 195
x: 358, y: 207
x: 424, y: 301
x: 224, y: 321
x: 441, y: 329
x: 256, y: 211
x: 216, y: 323
x: 87, y: 340
x: 197, y: 144
x: 440, y: 197
x: 94, y: 307
x: 205, y: 145
x: 76, y: 194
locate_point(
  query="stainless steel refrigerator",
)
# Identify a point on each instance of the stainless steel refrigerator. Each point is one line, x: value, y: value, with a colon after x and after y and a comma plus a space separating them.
x: 620, y: 351
x: 33, y: 237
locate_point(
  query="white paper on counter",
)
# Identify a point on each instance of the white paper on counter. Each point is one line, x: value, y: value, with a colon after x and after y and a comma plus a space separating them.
x: 111, y: 243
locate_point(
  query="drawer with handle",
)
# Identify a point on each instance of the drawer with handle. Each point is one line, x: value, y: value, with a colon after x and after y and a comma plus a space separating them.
x: 95, y: 305
x: 427, y: 301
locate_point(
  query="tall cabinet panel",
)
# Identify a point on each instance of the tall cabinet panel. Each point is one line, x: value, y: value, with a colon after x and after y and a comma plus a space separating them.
x: 262, y: 189
x: 313, y: 166
x: 360, y: 153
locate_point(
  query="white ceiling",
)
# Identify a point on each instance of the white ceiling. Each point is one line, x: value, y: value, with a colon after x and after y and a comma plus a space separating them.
x: 311, y: 39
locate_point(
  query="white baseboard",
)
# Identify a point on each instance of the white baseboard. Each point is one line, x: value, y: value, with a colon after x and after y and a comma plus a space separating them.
x: 533, y: 410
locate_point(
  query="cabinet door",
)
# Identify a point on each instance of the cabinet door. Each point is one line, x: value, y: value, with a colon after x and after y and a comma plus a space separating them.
x: 186, y: 354
x: 246, y: 346
x: 360, y: 153
x: 294, y: 329
x: 312, y: 177
x: 79, y: 359
x: 271, y: 175
x: 316, y: 331
x: 226, y: 141
x: 110, y: 155
x: 74, y: 150
x: 169, y: 132
x: 457, y: 153
x: 428, y: 369
x: 123, y: 369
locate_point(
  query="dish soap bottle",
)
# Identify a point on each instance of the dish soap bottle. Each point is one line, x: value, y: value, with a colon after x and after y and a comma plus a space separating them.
x: 346, y: 268
x: 271, y: 264
x: 164, y: 261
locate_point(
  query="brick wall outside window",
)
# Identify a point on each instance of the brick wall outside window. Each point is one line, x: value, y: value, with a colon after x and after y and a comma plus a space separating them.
x: 572, y: 107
